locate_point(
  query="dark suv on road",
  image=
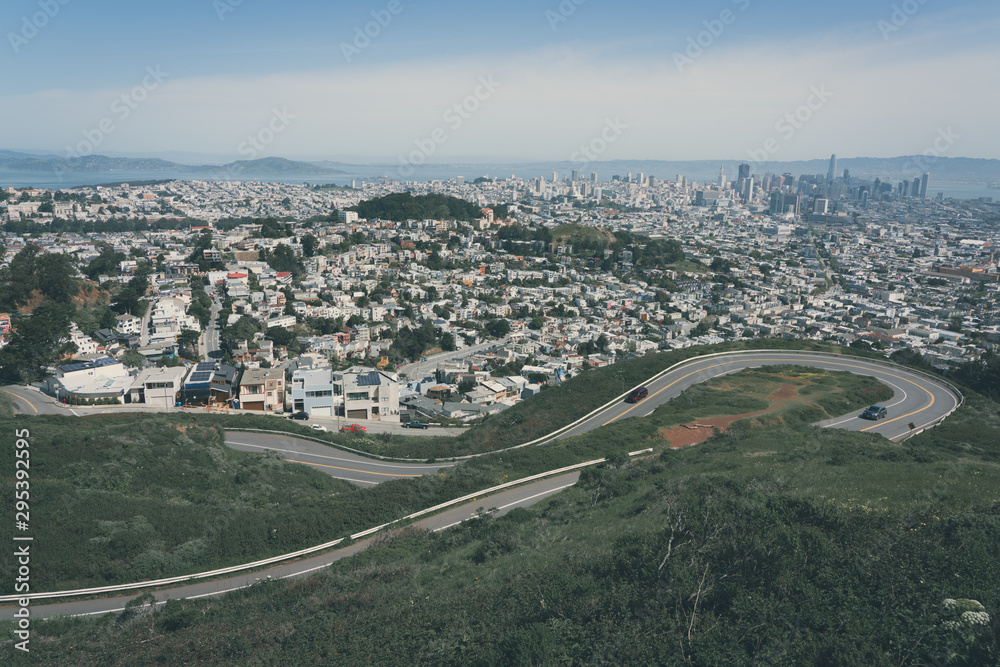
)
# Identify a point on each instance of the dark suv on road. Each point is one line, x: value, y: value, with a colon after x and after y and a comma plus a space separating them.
x: 299, y: 415
x: 637, y: 395
x: 874, y: 412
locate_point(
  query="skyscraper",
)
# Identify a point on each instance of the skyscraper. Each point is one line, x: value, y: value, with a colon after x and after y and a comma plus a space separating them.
x: 722, y: 177
x: 777, y: 203
x: 923, y: 183
x: 833, y: 169
x: 744, y: 172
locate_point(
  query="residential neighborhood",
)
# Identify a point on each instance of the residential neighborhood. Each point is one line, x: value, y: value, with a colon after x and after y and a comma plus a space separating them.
x: 276, y: 297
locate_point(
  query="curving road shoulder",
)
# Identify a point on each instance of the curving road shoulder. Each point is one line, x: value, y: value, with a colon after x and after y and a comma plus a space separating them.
x: 334, y: 462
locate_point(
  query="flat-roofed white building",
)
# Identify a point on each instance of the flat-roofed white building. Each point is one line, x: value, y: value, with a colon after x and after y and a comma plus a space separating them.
x: 158, y: 387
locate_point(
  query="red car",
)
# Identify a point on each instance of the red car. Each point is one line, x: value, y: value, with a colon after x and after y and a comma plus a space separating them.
x: 357, y: 428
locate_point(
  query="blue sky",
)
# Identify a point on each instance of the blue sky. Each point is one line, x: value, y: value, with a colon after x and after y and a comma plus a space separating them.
x: 249, y: 78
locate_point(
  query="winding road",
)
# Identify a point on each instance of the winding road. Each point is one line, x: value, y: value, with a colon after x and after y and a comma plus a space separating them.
x: 919, y: 402
x: 334, y: 462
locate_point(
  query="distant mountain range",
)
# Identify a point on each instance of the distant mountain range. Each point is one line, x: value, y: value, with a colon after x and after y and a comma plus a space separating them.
x: 21, y: 162
x: 942, y: 169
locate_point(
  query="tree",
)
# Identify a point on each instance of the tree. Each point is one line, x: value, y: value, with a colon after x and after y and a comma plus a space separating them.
x: 242, y: 329
x: 106, y: 263
x: 280, y: 336
x: 36, y: 343
x: 466, y: 385
x: 309, y: 245
x: 498, y: 328
x: 188, y: 342
x: 448, y: 342
x: 32, y: 270
x: 133, y: 359
x: 283, y: 260
x: 201, y: 312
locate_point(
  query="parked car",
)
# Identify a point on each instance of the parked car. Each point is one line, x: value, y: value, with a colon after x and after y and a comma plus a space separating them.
x: 357, y: 428
x: 299, y: 415
x: 413, y: 423
x: 875, y: 412
x: 317, y: 427
x: 637, y: 395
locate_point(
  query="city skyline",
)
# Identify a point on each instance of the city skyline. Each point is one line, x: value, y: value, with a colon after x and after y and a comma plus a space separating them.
x: 550, y: 82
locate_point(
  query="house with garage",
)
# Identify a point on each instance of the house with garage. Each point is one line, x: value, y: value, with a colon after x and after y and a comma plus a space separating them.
x: 359, y: 393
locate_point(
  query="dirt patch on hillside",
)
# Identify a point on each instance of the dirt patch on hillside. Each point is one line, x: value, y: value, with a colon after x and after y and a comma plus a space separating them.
x: 698, y: 432
x: 786, y: 393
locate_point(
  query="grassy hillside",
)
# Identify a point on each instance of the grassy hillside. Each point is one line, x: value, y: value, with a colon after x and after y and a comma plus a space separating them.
x: 132, y: 498
x: 574, y: 234
x: 771, y: 544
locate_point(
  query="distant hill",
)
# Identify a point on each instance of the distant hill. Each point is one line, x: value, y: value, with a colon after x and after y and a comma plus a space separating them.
x: 579, y: 234
x: 15, y: 161
x: 942, y: 169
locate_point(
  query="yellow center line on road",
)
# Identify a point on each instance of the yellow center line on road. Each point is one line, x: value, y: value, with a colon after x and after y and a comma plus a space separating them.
x: 364, y: 472
x: 22, y: 398
x: 832, y: 363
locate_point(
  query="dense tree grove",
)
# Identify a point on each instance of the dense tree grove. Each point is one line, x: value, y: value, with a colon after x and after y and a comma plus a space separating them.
x: 33, y: 271
x: 404, y: 206
x: 35, y: 344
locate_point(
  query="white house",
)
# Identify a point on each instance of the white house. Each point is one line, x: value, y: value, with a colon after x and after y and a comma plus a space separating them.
x: 358, y: 393
x: 101, y: 378
x: 158, y: 387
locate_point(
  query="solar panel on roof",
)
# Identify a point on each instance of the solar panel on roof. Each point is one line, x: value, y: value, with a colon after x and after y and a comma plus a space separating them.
x: 86, y: 365
x: 370, y: 379
x: 203, y: 376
